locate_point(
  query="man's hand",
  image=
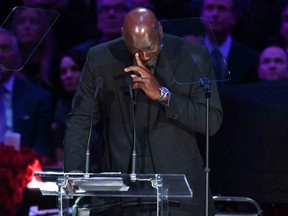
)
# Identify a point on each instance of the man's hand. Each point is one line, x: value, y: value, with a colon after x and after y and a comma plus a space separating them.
x: 145, y: 81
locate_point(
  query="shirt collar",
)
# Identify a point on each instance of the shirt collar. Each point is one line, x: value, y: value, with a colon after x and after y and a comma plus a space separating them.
x: 8, y: 85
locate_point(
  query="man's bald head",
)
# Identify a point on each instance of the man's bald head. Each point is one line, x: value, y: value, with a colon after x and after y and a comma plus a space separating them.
x: 143, y: 34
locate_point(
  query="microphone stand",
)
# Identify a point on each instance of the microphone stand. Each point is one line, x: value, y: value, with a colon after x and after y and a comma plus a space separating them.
x: 99, y: 84
x: 206, y: 84
x: 130, y: 82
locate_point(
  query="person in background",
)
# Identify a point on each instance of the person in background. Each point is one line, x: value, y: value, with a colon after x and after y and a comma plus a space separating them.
x: 70, y: 27
x: 30, y: 25
x: 67, y: 78
x: 167, y: 114
x: 25, y: 109
x: 241, y: 60
x: 273, y: 64
x: 280, y: 37
x: 284, y: 27
x: 109, y: 17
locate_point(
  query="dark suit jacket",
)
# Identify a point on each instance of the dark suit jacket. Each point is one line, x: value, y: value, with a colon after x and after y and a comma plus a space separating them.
x: 242, y: 63
x: 32, y: 114
x: 172, y: 139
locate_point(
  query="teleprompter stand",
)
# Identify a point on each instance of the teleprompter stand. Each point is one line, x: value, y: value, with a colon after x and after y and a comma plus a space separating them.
x: 160, y: 186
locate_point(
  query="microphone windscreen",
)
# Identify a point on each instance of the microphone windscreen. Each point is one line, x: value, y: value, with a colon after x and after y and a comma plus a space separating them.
x: 99, y: 82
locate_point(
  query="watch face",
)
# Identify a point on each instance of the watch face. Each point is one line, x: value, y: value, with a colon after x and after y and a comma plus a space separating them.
x: 163, y: 93
x: 164, y: 90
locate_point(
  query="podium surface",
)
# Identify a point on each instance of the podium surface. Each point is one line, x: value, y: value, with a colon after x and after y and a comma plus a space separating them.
x: 159, y: 186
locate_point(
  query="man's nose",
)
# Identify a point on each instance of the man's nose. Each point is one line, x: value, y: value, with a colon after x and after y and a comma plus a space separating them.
x: 272, y: 64
x: 69, y: 73
x: 111, y: 11
x: 26, y: 25
x: 215, y: 12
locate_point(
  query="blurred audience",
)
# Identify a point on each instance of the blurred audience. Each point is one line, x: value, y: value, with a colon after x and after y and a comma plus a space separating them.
x: 67, y: 77
x: 281, y: 35
x: 30, y: 25
x: 25, y: 109
x: 273, y: 64
x: 109, y: 17
x: 255, y: 22
x: 70, y: 28
x: 241, y: 60
x: 284, y: 27
x: 5, y: 8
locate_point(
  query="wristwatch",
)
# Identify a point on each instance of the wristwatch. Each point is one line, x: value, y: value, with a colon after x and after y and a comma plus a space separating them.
x: 163, y: 93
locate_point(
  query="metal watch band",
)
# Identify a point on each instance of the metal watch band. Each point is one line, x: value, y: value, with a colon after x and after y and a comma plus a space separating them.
x: 163, y: 93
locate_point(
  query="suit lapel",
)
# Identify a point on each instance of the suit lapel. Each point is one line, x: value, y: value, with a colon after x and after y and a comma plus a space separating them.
x: 123, y: 59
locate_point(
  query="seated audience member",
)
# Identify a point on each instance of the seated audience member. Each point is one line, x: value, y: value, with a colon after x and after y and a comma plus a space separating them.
x: 29, y: 26
x: 281, y: 36
x: 109, y: 17
x: 25, y: 109
x: 70, y: 27
x: 241, y: 60
x: 273, y: 64
x: 67, y: 78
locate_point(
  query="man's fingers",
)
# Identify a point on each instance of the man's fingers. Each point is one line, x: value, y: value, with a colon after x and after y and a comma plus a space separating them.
x: 138, y: 60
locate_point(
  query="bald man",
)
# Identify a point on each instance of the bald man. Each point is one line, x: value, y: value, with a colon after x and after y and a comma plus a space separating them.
x: 273, y: 64
x: 170, y: 106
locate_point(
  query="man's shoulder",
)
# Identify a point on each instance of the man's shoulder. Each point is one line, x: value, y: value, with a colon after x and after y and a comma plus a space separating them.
x: 108, y: 52
x: 243, y: 48
x: 31, y: 89
x: 116, y: 43
x: 85, y: 46
x: 97, y: 45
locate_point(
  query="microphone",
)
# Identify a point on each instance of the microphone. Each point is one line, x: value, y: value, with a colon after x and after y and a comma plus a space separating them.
x: 129, y: 81
x: 99, y: 83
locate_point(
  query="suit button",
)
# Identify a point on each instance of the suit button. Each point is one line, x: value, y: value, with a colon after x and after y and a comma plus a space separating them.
x: 175, y: 116
x: 129, y: 147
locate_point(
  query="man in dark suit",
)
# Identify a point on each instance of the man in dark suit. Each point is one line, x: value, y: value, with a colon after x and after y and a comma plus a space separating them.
x: 241, y: 60
x: 25, y: 108
x: 170, y: 105
x: 109, y: 16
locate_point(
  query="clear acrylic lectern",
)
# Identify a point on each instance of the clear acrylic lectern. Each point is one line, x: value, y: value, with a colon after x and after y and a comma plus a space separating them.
x: 160, y: 186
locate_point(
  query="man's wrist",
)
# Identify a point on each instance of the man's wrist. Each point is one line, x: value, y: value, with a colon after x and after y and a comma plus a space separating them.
x: 164, y: 94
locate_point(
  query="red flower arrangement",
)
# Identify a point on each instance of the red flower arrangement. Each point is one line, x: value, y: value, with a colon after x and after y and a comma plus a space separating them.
x: 16, y: 168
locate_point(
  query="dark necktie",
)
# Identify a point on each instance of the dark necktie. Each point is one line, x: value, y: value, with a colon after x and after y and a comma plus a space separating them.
x: 219, y: 65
